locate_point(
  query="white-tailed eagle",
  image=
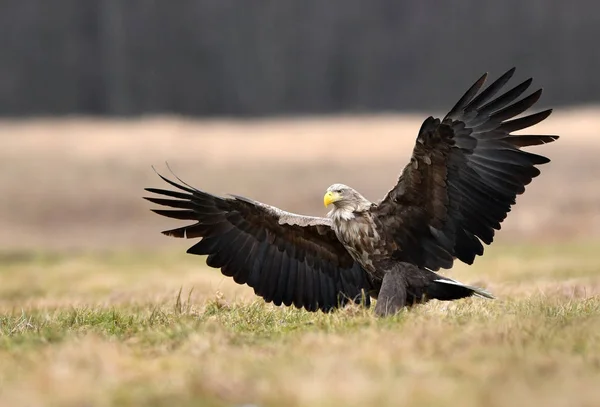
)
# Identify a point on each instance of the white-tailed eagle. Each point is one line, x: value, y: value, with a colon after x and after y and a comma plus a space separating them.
x: 462, y: 179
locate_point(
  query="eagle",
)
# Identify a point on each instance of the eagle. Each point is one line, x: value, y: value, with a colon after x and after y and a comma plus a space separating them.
x: 462, y: 180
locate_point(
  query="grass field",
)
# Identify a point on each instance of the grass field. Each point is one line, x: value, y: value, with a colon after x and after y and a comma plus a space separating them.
x: 97, y: 308
x: 159, y: 329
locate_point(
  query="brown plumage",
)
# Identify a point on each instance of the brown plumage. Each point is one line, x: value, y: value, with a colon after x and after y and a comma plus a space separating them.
x: 462, y: 179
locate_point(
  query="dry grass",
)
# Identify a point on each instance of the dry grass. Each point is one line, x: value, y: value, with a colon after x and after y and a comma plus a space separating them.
x: 98, y: 330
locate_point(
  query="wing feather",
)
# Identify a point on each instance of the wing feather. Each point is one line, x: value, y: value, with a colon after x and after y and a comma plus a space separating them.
x: 464, y: 175
x: 286, y: 258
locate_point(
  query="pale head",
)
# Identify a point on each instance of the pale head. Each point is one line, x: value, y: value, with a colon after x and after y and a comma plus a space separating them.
x: 344, y: 197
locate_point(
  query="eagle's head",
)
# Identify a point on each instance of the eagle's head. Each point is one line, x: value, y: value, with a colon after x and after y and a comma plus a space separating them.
x: 345, y: 198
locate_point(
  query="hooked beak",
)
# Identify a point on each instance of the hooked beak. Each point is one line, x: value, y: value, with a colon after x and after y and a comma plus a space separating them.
x: 331, y: 197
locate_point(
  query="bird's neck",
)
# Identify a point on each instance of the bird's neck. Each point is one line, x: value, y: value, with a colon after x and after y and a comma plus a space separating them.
x: 348, y: 212
x: 341, y: 214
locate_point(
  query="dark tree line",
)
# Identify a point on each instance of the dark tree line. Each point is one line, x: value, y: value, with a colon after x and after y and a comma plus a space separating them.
x: 259, y: 57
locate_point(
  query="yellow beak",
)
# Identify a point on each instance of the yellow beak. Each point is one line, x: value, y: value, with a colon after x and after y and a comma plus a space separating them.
x: 330, y: 197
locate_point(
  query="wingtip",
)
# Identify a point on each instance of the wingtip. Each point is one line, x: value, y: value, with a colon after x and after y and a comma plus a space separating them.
x: 172, y: 233
x: 155, y: 170
x: 545, y: 113
x: 509, y: 74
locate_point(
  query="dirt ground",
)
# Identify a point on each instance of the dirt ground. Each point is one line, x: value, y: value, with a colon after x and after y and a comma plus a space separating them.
x: 76, y: 184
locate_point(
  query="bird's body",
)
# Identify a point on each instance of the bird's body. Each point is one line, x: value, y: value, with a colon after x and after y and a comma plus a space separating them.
x: 363, y: 235
x: 355, y: 228
x: 462, y: 179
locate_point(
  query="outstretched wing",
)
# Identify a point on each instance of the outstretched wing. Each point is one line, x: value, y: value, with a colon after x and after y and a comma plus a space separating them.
x: 286, y: 258
x: 463, y: 177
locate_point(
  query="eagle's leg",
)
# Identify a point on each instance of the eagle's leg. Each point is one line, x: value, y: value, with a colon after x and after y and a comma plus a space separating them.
x: 392, y: 296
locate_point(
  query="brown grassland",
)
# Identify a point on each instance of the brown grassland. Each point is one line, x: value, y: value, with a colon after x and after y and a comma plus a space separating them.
x: 97, y: 308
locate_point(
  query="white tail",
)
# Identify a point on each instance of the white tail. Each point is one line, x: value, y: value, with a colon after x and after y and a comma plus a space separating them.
x: 478, y: 291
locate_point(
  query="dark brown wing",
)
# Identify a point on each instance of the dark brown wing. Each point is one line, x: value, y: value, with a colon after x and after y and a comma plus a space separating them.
x: 286, y: 258
x: 463, y: 177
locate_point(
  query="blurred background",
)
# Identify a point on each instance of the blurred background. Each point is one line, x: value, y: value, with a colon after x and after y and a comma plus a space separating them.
x: 274, y: 100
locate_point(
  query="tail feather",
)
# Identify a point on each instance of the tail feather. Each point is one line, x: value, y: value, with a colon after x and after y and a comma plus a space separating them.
x: 446, y: 289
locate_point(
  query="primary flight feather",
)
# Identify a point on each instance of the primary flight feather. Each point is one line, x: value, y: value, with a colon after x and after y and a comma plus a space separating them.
x: 462, y: 179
